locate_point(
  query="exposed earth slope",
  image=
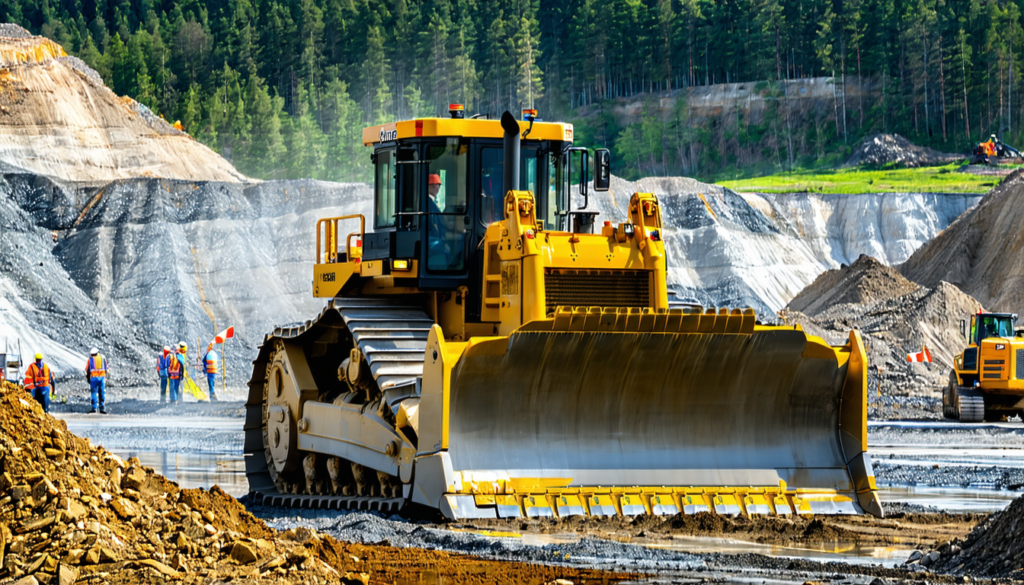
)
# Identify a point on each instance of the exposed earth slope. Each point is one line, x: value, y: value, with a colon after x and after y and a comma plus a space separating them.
x: 58, y: 119
x: 982, y: 252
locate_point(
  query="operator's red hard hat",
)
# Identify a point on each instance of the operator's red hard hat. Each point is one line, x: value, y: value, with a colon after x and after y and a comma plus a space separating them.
x: 433, y: 179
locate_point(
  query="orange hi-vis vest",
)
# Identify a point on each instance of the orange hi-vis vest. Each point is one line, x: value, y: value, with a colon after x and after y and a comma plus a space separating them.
x: 97, y: 367
x: 36, y: 377
x: 211, y: 363
x: 174, y: 369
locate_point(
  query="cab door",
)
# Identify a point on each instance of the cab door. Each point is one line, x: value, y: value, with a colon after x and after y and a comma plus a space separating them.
x: 446, y: 249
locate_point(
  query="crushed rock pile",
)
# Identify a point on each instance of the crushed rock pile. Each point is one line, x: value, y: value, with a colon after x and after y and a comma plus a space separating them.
x: 882, y: 149
x: 74, y: 512
x: 991, y: 550
x: 71, y: 510
x: 895, y: 318
x: 982, y: 252
x: 865, y: 281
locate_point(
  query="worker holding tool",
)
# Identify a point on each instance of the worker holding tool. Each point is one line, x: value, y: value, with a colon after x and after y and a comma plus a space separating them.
x: 176, y: 371
x: 162, y: 364
x: 96, y: 373
x: 210, y: 365
x: 39, y: 381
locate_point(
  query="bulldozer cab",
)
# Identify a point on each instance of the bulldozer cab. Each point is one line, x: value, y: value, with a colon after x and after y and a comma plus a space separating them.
x: 989, y: 325
x: 439, y: 184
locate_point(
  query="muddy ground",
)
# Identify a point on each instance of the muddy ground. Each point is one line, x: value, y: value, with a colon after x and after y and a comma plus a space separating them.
x: 972, y: 470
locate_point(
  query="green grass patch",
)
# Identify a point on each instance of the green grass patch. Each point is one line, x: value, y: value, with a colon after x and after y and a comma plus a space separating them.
x: 944, y: 179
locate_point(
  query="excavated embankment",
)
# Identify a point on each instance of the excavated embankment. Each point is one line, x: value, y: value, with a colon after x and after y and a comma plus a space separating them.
x: 71, y: 511
x: 982, y: 253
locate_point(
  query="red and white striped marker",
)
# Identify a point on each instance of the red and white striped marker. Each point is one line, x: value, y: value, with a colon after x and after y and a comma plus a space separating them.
x: 922, y: 356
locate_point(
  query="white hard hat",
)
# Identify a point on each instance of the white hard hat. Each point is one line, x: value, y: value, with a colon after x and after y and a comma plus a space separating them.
x: 93, y: 351
x: 167, y: 348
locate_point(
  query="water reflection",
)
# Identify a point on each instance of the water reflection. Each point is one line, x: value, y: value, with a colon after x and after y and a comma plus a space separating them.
x: 196, y: 470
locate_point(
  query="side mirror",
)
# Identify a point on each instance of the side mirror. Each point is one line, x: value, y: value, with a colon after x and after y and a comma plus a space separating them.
x: 602, y: 169
x: 963, y: 329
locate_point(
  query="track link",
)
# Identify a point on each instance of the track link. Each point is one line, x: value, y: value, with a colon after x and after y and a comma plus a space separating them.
x: 391, y: 334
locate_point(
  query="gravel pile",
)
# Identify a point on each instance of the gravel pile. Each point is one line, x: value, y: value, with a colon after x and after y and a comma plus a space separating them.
x: 990, y: 550
x: 81, y: 66
x: 13, y: 31
x: 882, y: 149
x: 72, y: 511
x: 896, y: 317
x: 865, y: 281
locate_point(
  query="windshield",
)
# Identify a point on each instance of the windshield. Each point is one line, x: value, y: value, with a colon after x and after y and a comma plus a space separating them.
x: 993, y: 326
x: 536, y: 165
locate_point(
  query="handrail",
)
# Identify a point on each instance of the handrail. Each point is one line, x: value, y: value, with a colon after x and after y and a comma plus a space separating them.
x: 328, y: 228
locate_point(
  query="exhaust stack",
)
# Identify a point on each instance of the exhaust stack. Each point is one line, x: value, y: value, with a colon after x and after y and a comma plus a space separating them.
x: 510, y: 176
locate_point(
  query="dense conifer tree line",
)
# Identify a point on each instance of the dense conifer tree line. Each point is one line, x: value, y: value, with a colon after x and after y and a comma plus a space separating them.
x: 283, y: 87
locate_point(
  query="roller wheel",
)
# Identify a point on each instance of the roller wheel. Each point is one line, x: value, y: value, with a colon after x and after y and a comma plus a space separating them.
x: 970, y: 405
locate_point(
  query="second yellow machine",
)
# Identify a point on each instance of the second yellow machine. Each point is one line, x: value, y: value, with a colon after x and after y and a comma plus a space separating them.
x: 488, y: 351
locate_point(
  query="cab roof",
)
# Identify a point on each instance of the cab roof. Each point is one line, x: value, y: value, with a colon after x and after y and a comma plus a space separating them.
x: 462, y: 128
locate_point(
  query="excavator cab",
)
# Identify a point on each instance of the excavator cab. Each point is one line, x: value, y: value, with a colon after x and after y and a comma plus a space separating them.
x: 987, y: 379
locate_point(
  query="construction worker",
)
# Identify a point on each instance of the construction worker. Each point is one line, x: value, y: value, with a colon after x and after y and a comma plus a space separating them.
x: 210, y: 365
x: 162, y: 364
x: 39, y: 381
x: 96, y: 373
x: 176, y: 371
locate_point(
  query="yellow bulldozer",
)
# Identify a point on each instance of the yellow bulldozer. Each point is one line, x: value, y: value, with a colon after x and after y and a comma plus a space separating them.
x: 488, y: 351
x: 987, y: 379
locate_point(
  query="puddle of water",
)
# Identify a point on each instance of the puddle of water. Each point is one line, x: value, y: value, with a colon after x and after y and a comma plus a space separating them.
x: 853, y: 553
x: 950, y: 500
x: 78, y: 422
x: 196, y: 470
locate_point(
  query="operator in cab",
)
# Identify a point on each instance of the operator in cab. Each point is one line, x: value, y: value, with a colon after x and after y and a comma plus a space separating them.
x: 437, y: 232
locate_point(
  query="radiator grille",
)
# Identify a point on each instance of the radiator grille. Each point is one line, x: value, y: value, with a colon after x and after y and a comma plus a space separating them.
x: 597, y: 288
x: 1020, y: 364
x: 971, y: 359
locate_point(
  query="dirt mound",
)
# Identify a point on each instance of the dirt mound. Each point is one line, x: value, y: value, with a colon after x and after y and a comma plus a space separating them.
x: 882, y: 149
x: 895, y: 317
x: 989, y: 550
x: 981, y: 252
x: 58, y: 119
x: 865, y: 281
x: 72, y: 511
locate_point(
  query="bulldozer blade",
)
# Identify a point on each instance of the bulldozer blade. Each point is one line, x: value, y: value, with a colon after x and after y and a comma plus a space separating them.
x: 678, y: 418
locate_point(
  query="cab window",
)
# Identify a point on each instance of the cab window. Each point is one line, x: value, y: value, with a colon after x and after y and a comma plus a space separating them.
x: 996, y: 327
x: 384, y: 189
x: 492, y: 164
x: 554, y: 210
x: 446, y: 206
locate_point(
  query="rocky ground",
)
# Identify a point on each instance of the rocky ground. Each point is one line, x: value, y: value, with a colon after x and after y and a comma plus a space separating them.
x: 883, y: 149
x: 990, y: 550
x: 73, y: 512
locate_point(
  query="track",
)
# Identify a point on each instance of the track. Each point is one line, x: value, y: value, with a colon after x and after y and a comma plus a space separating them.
x: 391, y: 334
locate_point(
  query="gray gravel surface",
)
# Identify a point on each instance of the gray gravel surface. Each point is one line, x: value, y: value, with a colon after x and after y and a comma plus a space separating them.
x: 372, y: 529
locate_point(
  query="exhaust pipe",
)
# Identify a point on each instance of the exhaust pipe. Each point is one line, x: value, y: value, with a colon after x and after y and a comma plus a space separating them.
x: 510, y: 176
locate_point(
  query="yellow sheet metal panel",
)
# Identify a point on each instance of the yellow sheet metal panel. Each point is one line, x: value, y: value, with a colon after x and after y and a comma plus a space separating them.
x: 467, y: 128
